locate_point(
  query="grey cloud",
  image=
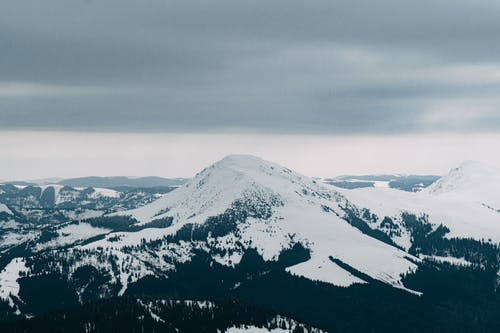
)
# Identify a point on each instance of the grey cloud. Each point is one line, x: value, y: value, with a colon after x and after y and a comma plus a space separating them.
x: 280, y: 66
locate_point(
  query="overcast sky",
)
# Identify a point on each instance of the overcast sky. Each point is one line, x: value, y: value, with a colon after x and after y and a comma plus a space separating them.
x: 201, y: 73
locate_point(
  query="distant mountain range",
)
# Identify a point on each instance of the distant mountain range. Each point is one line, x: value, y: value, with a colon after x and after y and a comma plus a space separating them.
x: 409, y: 183
x: 105, y: 182
x: 365, y: 259
x: 113, y: 182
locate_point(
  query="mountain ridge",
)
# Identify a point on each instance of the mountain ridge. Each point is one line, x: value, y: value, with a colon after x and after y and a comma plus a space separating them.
x: 244, y: 222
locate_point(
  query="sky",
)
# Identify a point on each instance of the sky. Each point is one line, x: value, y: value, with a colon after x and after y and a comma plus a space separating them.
x: 164, y: 87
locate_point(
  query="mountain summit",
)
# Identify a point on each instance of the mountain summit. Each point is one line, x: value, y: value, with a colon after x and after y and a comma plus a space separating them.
x: 271, y: 208
x: 471, y: 181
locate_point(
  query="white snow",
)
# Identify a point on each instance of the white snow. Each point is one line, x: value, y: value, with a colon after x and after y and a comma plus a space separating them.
x: 376, y: 183
x: 324, y: 270
x: 331, y: 236
x: 4, y: 208
x: 285, y: 325
x: 10, y: 224
x: 74, y: 193
x: 449, y: 260
x: 64, y: 196
x: 72, y: 233
x: 8, y: 279
x: 82, y: 214
x: 12, y: 238
x: 380, y: 183
x: 456, y: 201
x: 471, y: 181
x: 105, y: 192
x: 133, y: 238
x: 229, y: 259
x: 149, y: 307
x: 253, y: 329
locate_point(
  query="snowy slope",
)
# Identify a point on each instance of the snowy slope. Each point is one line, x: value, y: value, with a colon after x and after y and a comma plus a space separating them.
x: 5, y: 209
x: 104, y: 192
x: 471, y: 181
x: 301, y: 210
x: 253, y: 329
x: 8, y: 276
x: 465, y: 201
x: 61, y: 196
x: 70, y: 234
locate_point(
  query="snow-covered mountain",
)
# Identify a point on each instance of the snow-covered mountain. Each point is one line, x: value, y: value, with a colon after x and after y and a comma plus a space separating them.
x: 279, y: 209
x: 471, y: 181
x: 28, y: 211
x: 464, y: 201
x: 242, y: 208
x: 120, y: 182
x: 41, y: 202
x: 410, y: 183
x: 237, y: 204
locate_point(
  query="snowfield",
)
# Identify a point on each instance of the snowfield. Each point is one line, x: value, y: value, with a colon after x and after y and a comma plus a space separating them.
x: 253, y: 329
x: 462, y: 201
x: 13, y: 238
x: 471, y: 181
x: 9, y: 287
x: 72, y: 233
x: 449, y: 260
x: 5, y: 209
x: 325, y: 270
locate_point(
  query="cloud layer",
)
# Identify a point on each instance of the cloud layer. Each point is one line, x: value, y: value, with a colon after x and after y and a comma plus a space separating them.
x: 330, y: 67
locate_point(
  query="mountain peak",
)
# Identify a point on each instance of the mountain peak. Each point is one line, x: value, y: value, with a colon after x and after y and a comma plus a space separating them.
x: 471, y: 181
x: 233, y: 178
x: 472, y: 167
x: 236, y: 173
x: 467, y: 174
x: 240, y: 158
x: 245, y: 162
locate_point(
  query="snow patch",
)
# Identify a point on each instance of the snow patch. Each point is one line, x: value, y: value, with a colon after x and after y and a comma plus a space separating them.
x: 4, y: 208
x: 104, y: 192
x: 9, y: 287
x: 253, y: 329
x: 449, y: 260
x: 324, y: 270
x: 73, y: 233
